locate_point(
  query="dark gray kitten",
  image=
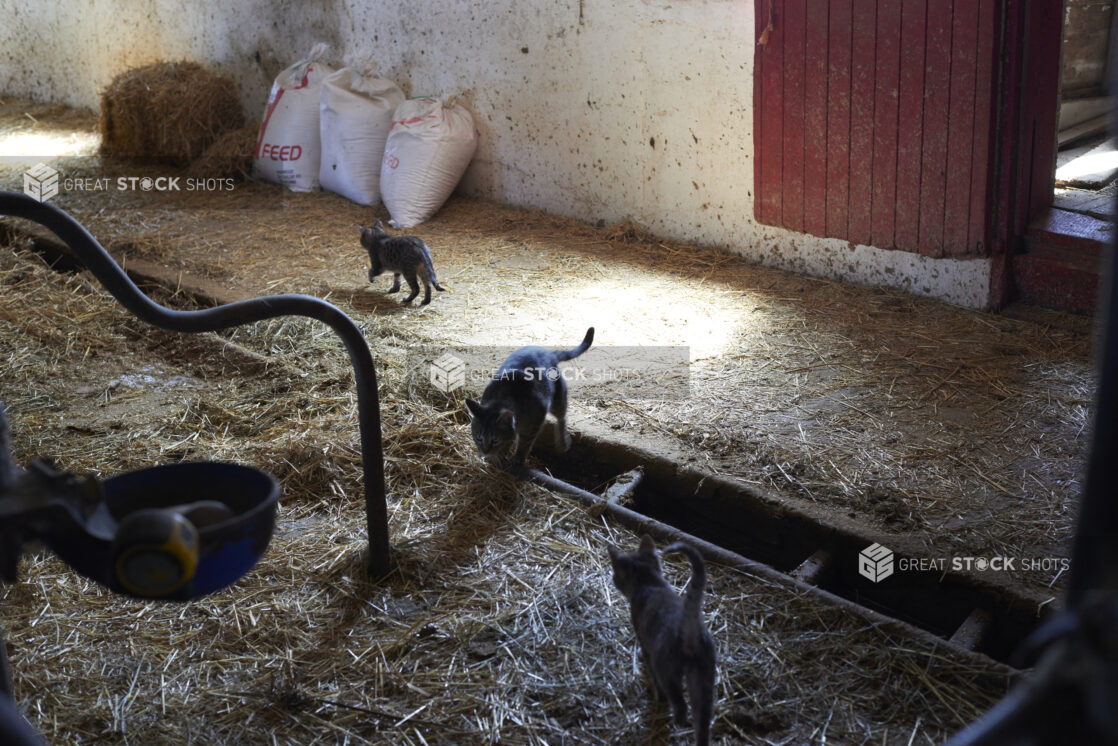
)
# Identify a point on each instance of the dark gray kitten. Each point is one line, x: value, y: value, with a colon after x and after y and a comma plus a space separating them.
x: 400, y: 255
x: 517, y: 400
x: 677, y: 646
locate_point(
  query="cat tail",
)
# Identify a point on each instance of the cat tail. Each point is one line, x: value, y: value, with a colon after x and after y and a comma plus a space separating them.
x: 694, y: 598
x: 583, y: 347
x: 431, y: 271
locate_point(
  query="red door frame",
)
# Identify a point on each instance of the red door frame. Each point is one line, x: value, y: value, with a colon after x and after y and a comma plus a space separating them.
x: 1024, y: 130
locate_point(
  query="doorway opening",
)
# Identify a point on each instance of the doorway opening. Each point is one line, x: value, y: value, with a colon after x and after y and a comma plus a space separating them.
x: 1087, y: 157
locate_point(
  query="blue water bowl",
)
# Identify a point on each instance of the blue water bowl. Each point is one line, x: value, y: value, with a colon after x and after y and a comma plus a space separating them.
x: 234, y: 518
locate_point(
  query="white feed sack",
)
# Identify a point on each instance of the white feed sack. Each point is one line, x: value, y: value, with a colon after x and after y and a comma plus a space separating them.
x: 429, y: 147
x: 356, y: 114
x: 289, y: 148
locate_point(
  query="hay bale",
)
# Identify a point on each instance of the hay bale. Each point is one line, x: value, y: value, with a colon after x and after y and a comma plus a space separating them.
x: 229, y: 156
x: 168, y: 112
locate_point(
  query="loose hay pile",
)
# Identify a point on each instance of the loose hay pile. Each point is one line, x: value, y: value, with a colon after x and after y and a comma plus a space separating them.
x: 169, y: 112
x: 498, y: 625
x: 229, y: 157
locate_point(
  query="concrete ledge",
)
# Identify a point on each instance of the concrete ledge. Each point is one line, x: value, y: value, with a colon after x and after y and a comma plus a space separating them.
x: 1070, y: 230
x: 1060, y: 267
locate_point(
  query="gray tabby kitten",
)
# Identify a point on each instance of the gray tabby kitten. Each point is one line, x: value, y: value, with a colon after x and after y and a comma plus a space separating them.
x: 676, y: 644
x: 400, y: 255
x: 517, y: 400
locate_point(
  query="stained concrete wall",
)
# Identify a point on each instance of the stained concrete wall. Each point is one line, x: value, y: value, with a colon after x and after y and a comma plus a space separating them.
x: 1086, y: 48
x: 602, y: 110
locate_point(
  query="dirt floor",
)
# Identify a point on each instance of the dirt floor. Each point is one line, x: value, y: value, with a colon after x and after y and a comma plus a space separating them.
x: 959, y: 431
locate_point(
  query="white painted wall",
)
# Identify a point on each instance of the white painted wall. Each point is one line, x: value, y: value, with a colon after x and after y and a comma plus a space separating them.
x: 602, y: 110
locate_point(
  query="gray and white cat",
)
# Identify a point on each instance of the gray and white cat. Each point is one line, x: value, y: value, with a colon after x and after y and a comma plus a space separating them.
x: 524, y: 390
x: 676, y: 644
x: 400, y: 255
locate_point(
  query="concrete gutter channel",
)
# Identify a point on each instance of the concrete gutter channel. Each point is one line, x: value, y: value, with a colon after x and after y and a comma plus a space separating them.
x: 732, y: 524
x: 740, y: 526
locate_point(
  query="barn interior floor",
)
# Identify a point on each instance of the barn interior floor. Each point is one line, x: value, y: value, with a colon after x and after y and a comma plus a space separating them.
x: 916, y: 417
x: 957, y: 431
x: 921, y: 419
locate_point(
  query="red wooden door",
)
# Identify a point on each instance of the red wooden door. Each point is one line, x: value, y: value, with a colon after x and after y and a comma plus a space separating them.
x: 873, y: 121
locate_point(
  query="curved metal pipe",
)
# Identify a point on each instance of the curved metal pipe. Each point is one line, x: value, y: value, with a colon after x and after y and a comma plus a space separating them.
x: 110, y: 274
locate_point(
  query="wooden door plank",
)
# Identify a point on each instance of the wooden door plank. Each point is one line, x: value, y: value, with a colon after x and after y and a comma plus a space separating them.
x: 838, y: 118
x: 862, y: 84
x: 937, y: 87
x: 960, y: 128
x: 910, y: 123
x: 793, y: 183
x: 815, y: 118
x: 982, y: 163
x: 768, y: 118
x: 884, y: 207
